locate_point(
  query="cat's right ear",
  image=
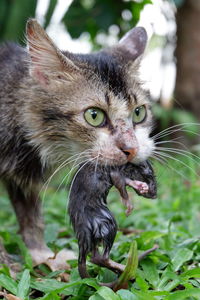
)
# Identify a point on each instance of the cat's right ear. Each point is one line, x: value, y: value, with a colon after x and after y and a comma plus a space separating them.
x: 132, y: 45
x: 47, y: 61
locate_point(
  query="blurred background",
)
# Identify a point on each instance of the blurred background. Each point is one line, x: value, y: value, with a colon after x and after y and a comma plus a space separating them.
x: 171, y: 67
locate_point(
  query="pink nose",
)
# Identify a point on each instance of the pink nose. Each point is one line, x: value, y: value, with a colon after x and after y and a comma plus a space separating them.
x: 130, y: 152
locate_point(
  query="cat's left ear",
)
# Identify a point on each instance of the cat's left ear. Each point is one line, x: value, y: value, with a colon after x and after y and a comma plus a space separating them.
x: 47, y: 61
x: 133, y: 44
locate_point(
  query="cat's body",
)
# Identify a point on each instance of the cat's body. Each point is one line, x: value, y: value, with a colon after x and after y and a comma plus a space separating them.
x: 45, y: 98
x: 19, y: 160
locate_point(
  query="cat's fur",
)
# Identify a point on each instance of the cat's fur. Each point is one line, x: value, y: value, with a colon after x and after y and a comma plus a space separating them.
x: 43, y: 95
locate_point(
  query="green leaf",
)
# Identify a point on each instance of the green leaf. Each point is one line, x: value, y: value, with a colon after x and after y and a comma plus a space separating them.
x: 4, y: 269
x: 191, y: 273
x: 151, y: 236
x: 158, y: 293
x: 130, y: 269
x: 142, y: 295
x: 179, y: 295
x: 50, y: 285
x: 97, y: 16
x: 51, y: 296
x: 96, y: 297
x: 23, y: 285
x: 8, y: 283
x: 168, y: 277
x: 17, y: 16
x: 50, y: 11
x: 126, y: 295
x: 24, y: 251
x: 150, y: 272
x: 181, y: 255
x: 106, y: 293
x: 140, y: 280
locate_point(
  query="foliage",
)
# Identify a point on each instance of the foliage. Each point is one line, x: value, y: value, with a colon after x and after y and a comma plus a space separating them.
x: 96, y: 16
x: 13, y: 17
x: 92, y: 16
x: 171, y: 221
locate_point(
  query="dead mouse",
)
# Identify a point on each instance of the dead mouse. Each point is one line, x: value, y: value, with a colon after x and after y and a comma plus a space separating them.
x: 92, y: 221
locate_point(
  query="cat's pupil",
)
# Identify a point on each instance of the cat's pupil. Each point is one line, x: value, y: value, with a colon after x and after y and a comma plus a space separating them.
x: 94, y: 114
x: 137, y: 111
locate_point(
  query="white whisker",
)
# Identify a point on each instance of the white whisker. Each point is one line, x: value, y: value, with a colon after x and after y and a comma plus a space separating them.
x: 185, y: 153
x: 175, y: 159
x: 169, y: 166
x: 88, y: 161
x: 176, y: 128
x: 60, y: 167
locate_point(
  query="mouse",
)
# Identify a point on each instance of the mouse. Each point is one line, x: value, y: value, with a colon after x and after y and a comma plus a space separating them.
x: 92, y: 221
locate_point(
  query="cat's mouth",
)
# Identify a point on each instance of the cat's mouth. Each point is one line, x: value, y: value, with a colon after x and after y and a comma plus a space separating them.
x: 111, y: 161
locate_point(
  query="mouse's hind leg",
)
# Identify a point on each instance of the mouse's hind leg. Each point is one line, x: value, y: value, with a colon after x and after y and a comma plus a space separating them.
x: 120, y: 183
x: 27, y: 207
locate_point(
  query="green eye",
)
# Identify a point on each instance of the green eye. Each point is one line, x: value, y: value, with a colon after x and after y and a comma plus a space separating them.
x: 94, y: 116
x: 139, y: 114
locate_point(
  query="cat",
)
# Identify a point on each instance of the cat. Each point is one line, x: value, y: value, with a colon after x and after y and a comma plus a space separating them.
x: 57, y: 107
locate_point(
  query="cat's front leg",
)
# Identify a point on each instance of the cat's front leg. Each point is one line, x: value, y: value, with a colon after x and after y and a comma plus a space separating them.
x: 28, y: 211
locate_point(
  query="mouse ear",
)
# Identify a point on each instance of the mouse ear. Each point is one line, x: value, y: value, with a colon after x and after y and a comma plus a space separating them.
x: 133, y: 44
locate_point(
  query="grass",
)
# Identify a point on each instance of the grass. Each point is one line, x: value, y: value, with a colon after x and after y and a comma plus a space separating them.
x: 172, y: 221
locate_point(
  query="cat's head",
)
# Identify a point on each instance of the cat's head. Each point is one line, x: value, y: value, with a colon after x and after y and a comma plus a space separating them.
x: 92, y: 103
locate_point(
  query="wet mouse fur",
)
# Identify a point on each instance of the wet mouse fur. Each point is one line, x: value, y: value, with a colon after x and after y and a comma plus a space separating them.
x: 92, y: 221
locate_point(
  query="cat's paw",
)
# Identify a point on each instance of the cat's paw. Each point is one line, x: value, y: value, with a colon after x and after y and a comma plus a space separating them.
x: 54, y: 261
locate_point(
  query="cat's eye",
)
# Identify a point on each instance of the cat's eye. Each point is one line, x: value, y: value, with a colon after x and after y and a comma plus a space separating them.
x: 139, y: 114
x: 94, y: 116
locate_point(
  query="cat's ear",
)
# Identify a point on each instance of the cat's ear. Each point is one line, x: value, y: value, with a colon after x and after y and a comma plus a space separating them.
x: 133, y: 44
x: 47, y: 61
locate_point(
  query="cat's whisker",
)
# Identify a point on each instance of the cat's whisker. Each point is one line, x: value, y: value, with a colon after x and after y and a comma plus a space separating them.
x: 178, y: 130
x: 185, y: 153
x: 84, y: 164
x: 60, y: 159
x: 96, y: 164
x: 60, y: 167
x: 74, y: 166
x: 172, y: 131
x: 175, y: 159
x: 159, y: 159
x: 181, y: 125
x: 172, y: 141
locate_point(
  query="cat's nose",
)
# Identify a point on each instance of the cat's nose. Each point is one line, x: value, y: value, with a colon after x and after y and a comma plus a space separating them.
x: 130, y: 152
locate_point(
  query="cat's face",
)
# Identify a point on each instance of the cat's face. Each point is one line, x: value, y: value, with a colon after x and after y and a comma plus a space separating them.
x: 91, y: 103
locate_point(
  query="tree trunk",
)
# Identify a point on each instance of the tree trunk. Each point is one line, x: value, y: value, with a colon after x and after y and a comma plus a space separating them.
x: 187, y: 90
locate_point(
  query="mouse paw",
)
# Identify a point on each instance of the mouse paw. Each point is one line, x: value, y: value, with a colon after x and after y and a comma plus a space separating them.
x: 129, y: 209
x: 143, y: 187
x: 140, y: 186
